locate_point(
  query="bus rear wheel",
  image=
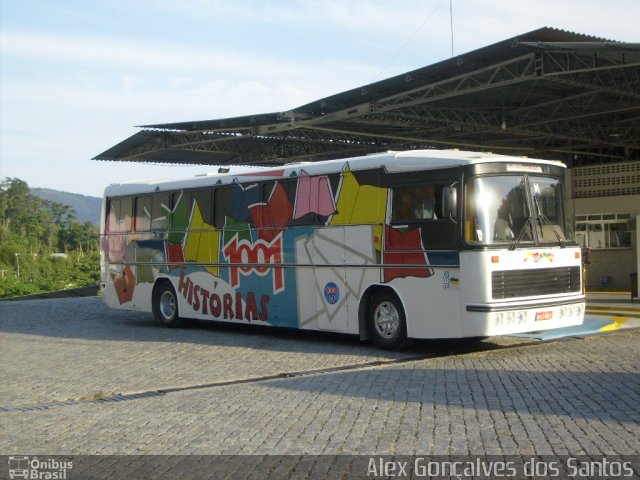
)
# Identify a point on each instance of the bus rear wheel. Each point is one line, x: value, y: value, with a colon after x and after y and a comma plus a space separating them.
x: 165, y: 305
x: 386, y: 321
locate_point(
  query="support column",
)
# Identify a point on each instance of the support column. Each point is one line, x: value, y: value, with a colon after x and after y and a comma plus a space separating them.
x: 636, y: 253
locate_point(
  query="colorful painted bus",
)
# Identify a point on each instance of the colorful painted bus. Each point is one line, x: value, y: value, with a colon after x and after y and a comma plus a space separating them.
x: 424, y: 244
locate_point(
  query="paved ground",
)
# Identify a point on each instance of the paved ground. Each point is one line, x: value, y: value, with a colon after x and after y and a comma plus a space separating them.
x: 574, y: 396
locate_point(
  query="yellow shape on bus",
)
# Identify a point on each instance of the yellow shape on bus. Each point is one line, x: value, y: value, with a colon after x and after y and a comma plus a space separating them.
x: 361, y: 204
x: 202, y: 242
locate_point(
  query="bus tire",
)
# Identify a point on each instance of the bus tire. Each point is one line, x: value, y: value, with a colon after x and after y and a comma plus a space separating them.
x: 386, y: 321
x: 165, y: 305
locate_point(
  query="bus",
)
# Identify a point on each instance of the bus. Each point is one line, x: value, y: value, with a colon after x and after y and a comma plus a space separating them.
x: 426, y: 244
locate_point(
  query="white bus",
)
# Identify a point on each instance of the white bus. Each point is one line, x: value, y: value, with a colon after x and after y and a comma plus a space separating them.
x: 417, y: 244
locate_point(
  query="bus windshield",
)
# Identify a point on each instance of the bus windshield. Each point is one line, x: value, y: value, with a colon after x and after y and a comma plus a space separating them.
x: 548, y: 212
x: 508, y: 209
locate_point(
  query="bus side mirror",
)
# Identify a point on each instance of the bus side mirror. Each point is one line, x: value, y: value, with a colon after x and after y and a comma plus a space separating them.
x: 450, y: 202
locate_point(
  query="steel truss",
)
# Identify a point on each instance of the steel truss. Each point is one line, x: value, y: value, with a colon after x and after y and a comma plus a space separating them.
x: 577, y: 101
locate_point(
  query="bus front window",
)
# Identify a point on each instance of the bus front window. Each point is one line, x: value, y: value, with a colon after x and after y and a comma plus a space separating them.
x: 548, y: 210
x: 496, y: 210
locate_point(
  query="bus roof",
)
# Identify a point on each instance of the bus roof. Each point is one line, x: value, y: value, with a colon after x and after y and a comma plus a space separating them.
x: 391, y: 161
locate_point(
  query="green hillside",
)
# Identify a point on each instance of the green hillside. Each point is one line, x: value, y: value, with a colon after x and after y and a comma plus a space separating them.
x: 87, y: 208
x: 43, y: 245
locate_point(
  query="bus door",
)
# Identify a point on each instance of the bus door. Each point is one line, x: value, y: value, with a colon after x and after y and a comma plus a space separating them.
x: 322, y: 299
x: 345, y: 265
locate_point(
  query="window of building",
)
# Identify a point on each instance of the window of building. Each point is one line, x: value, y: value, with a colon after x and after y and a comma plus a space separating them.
x: 610, y: 230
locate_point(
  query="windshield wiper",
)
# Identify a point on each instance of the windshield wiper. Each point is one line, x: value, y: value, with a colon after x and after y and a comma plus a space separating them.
x: 515, y: 243
x: 542, y: 218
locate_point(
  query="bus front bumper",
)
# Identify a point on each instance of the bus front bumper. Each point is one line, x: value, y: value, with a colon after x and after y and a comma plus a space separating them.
x: 506, y: 318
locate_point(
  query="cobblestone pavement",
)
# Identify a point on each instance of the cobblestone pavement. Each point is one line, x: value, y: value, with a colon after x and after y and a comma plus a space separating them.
x: 55, y: 350
x: 570, y: 397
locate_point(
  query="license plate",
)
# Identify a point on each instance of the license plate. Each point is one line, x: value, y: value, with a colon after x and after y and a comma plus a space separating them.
x: 544, y: 316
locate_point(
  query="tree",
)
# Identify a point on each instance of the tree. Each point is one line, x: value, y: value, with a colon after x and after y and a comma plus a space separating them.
x: 79, y: 236
x: 16, y: 203
x: 31, y: 229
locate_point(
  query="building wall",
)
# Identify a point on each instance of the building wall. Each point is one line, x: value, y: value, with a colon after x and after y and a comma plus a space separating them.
x: 610, y: 267
x: 618, y: 204
x: 636, y: 250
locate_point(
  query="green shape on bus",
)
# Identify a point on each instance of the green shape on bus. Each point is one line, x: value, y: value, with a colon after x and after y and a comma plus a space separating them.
x: 178, y: 220
x: 233, y: 228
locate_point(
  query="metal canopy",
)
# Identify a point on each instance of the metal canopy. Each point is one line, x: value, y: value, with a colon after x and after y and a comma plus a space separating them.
x: 546, y: 94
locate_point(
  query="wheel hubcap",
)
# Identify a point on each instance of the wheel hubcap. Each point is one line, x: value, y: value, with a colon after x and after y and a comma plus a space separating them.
x: 387, y: 320
x: 167, y: 305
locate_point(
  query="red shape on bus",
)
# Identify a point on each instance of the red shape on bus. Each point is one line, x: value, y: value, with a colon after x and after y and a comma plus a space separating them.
x: 404, y: 248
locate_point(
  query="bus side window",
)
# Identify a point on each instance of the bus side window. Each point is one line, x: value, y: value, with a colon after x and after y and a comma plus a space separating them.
x: 113, y: 213
x: 202, y: 197
x: 413, y: 204
x: 301, y: 194
x: 126, y: 204
x: 160, y: 208
x: 175, y: 199
x: 275, y: 208
x: 143, y: 213
x: 424, y: 206
x: 222, y: 205
x: 118, y: 215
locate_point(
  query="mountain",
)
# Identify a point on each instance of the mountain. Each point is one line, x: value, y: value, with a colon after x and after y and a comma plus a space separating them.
x: 87, y: 208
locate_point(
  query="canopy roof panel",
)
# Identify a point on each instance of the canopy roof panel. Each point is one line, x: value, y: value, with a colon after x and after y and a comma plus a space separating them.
x: 548, y: 94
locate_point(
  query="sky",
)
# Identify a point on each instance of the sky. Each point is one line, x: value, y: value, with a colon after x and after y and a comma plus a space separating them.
x: 77, y: 76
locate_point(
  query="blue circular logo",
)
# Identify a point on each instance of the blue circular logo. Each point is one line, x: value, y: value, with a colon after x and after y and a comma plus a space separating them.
x: 331, y: 293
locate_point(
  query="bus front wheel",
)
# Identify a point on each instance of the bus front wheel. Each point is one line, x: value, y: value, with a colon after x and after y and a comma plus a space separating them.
x: 386, y: 321
x: 165, y: 305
